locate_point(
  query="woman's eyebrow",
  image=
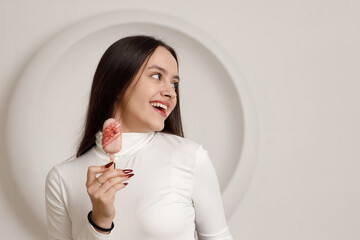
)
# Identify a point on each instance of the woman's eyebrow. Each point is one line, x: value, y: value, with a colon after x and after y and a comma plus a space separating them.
x: 163, y: 70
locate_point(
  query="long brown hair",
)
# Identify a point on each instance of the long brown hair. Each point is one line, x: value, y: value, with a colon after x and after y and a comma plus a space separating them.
x: 114, y: 74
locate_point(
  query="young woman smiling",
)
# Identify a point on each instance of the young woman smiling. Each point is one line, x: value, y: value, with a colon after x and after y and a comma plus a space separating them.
x: 173, y: 192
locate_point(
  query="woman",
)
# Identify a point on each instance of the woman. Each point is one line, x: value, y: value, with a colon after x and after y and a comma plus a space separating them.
x: 172, y: 186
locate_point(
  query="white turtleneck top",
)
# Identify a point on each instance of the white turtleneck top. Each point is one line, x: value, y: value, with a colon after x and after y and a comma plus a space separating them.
x: 174, y: 192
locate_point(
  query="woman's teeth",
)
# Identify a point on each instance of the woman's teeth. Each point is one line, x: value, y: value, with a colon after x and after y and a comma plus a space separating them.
x: 157, y: 105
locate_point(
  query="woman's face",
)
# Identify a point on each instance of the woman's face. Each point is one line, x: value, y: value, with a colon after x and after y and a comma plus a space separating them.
x: 153, y: 97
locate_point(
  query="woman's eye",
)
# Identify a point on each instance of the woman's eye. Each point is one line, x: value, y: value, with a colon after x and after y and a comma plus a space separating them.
x: 156, y: 76
x: 175, y: 84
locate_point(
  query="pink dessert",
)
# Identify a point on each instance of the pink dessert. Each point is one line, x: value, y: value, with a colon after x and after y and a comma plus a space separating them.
x: 111, y: 137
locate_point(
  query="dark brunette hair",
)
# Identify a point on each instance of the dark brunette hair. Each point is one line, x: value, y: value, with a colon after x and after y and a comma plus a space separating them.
x: 114, y: 74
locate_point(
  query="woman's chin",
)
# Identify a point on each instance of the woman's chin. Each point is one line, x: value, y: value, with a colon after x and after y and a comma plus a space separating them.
x: 158, y: 127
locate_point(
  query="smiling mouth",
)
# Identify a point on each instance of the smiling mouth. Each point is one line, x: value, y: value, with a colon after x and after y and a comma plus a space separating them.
x: 159, y: 106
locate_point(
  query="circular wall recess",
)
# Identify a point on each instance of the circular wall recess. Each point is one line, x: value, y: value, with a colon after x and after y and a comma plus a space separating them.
x: 48, y: 106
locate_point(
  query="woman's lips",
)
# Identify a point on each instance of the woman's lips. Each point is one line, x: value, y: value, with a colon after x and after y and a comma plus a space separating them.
x: 159, y: 111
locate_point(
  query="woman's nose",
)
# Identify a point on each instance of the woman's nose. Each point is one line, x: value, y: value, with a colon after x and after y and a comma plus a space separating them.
x: 168, y: 91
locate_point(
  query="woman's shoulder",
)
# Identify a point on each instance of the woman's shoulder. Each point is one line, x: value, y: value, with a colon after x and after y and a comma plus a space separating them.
x: 177, y: 141
x: 180, y: 146
x: 73, y: 164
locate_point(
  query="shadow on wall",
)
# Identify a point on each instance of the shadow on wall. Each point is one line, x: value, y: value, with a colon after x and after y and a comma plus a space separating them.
x: 22, y: 210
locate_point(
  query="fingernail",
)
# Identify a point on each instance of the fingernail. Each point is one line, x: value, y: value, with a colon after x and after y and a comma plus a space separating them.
x: 125, y: 183
x: 126, y: 171
x: 130, y: 175
x: 109, y: 164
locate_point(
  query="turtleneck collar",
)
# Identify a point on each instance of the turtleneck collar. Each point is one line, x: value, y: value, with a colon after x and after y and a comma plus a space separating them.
x: 131, y: 143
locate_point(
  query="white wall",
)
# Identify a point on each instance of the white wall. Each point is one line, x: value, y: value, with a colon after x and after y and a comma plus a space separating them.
x: 300, y: 61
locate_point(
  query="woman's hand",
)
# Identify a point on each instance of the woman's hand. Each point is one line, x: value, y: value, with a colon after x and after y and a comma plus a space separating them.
x: 102, y: 191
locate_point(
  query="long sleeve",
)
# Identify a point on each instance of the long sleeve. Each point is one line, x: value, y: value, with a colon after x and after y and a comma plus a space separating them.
x: 210, y: 218
x: 58, y: 220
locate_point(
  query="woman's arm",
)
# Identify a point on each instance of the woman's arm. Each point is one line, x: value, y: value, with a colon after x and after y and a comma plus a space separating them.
x: 58, y: 221
x: 210, y: 218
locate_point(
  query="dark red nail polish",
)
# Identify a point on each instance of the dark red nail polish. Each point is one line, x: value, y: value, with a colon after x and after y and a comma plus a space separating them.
x: 126, y: 171
x: 125, y: 183
x: 130, y: 175
x: 109, y: 164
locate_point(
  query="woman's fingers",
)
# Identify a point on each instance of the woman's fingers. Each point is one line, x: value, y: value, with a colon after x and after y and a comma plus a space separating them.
x: 111, y: 174
x: 94, y: 170
x: 111, y: 191
x: 109, y: 177
x: 115, y: 181
x: 103, y: 193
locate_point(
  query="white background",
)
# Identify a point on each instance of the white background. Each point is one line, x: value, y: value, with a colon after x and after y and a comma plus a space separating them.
x: 300, y: 60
